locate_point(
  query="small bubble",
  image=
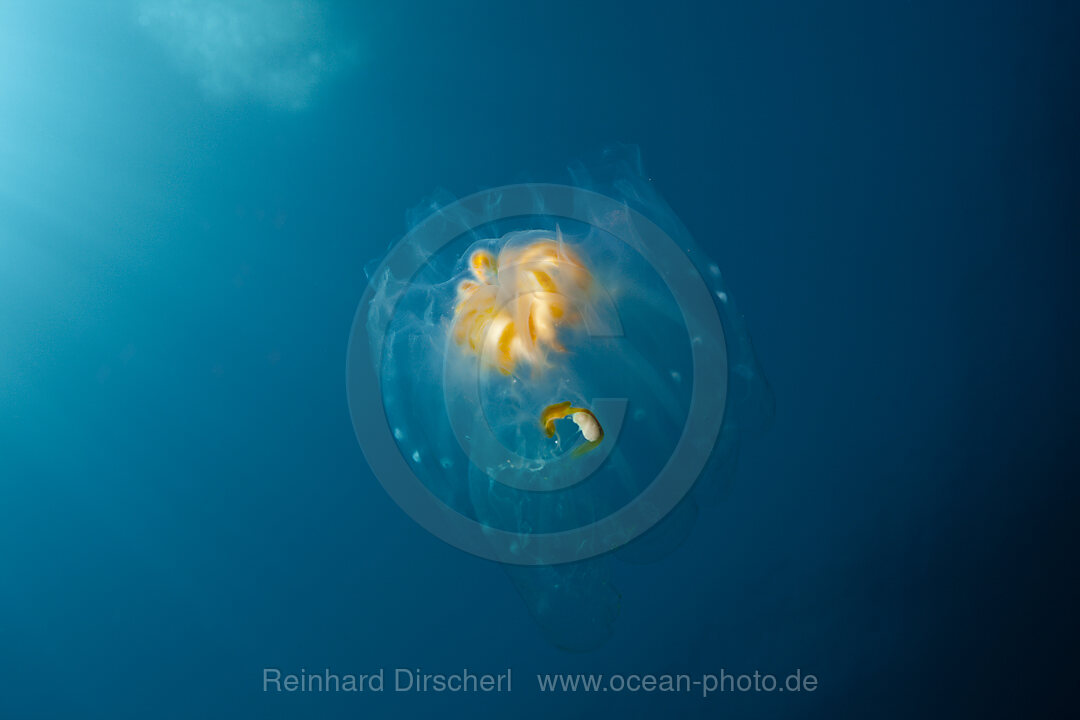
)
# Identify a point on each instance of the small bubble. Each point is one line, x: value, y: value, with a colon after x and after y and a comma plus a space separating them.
x: 676, y: 376
x: 416, y: 456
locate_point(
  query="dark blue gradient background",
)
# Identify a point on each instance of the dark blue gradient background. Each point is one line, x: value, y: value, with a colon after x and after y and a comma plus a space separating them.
x: 891, y: 190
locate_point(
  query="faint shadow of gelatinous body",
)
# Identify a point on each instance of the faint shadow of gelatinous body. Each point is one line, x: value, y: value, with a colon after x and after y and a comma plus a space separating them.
x: 563, y: 380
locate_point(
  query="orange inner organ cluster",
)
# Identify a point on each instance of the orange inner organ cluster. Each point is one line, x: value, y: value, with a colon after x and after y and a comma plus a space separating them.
x: 508, y: 313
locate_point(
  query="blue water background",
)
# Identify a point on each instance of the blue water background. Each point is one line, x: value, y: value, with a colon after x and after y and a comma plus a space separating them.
x: 891, y: 193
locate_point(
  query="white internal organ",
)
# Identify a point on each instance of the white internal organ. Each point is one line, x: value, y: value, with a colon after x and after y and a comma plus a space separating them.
x: 587, y: 423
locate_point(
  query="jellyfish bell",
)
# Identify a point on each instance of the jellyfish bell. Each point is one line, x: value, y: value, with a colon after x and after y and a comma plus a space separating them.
x: 520, y: 363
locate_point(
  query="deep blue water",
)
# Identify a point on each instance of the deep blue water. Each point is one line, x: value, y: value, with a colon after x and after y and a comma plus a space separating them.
x: 186, y: 209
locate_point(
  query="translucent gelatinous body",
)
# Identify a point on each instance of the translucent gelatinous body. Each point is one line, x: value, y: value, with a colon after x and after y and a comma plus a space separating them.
x: 537, y: 374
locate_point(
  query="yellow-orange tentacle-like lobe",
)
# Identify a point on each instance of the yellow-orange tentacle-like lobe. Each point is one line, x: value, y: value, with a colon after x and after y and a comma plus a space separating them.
x: 510, y: 311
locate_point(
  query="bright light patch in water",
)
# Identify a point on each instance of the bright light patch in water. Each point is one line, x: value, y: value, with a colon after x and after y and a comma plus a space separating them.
x: 272, y: 51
